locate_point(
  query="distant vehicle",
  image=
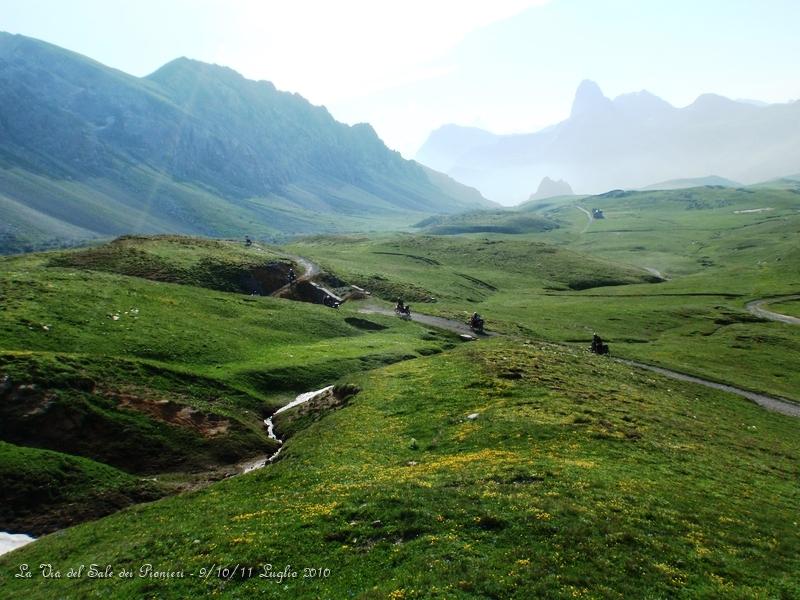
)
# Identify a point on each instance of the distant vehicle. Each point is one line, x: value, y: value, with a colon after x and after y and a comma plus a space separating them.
x: 402, y: 310
x: 291, y: 276
x: 597, y: 214
x: 247, y: 241
x: 476, y: 323
x: 598, y: 347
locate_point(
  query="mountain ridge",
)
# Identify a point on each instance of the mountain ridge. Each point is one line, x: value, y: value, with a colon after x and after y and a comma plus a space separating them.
x: 191, y: 148
x: 628, y: 142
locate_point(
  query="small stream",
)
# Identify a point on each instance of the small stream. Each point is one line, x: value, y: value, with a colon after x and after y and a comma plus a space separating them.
x: 12, y: 541
x: 262, y: 461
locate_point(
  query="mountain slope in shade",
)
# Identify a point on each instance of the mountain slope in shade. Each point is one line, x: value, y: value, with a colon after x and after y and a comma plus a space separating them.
x: 628, y: 142
x: 86, y: 151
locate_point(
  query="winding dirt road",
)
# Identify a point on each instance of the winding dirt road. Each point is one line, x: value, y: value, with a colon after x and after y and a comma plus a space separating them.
x: 756, y: 308
x: 772, y: 403
x: 440, y: 322
x: 779, y: 405
x: 769, y: 402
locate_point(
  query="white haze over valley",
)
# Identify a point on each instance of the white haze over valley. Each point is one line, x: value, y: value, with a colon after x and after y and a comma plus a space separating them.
x: 505, y: 67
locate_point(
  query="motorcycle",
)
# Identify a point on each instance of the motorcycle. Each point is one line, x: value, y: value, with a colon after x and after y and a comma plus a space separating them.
x: 476, y: 325
x: 403, y: 312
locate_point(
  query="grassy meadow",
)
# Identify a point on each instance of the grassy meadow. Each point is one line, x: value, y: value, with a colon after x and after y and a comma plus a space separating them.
x: 165, y: 379
x: 567, y: 283
x: 790, y: 307
x: 519, y: 466
x: 577, y: 478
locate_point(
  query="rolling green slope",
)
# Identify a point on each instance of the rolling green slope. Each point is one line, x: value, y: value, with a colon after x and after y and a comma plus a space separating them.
x: 718, y: 248
x: 175, y: 373
x: 576, y: 478
x: 693, y: 182
x: 509, y: 467
x: 497, y: 221
x: 457, y: 271
x: 44, y: 491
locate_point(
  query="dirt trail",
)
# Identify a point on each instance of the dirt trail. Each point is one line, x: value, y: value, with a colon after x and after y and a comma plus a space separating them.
x: 310, y: 271
x: 755, y: 307
x: 785, y: 407
x: 779, y: 405
x: 440, y: 322
x: 588, y: 216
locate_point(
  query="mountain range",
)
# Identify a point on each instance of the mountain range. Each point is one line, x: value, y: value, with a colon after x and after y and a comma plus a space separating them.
x: 631, y: 141
x: 88, y: 151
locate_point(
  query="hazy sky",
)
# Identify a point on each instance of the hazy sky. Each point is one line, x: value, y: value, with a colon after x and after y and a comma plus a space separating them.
x: 409, y: 66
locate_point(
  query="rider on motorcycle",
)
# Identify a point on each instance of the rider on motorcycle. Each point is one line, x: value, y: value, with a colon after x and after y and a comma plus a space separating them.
x: 476, y: 321
x: 402, y: 309
x: 598, y: 347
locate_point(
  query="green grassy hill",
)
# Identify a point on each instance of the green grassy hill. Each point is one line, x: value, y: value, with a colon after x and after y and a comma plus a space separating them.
x: 496, y: 221
x: 457, y: 272
x: 215, y: 264
x: 153, y: 377
x: 718, y: 247
x: 44, y: 491
x: 511, y: 467
x: 693, y: 182
x: 576, y: 478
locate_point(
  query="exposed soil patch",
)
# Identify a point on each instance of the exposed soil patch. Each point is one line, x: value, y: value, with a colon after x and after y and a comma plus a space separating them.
x: 128, y: 431
x: 207, y: 424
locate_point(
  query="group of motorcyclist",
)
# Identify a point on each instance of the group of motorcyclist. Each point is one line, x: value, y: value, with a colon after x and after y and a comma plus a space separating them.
x: 475, y: 322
